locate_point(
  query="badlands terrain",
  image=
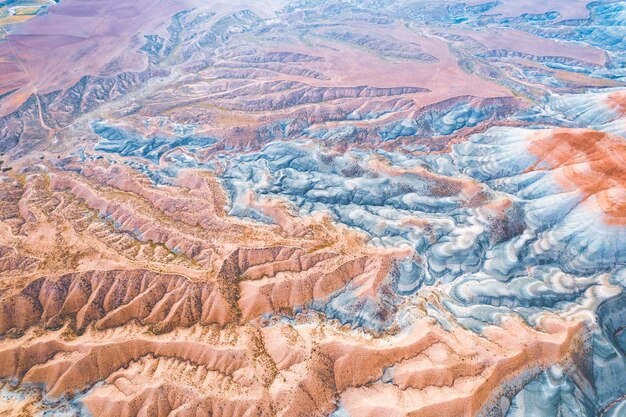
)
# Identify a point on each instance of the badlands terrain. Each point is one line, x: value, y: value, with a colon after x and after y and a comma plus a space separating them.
x: 313, y: 208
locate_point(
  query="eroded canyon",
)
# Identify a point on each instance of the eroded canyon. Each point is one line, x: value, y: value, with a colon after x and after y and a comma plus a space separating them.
x: 313, y: 208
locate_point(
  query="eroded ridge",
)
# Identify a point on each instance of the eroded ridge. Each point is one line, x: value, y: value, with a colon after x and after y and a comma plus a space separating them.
x: 312, y: 208
x: 284, y: 369
x: 182, y: 282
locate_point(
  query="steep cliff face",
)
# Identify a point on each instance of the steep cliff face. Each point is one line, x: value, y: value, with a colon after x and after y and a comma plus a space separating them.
x: 313, y: 208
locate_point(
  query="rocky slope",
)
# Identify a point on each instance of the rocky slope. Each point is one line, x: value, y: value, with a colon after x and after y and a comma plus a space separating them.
x: 313, y: 208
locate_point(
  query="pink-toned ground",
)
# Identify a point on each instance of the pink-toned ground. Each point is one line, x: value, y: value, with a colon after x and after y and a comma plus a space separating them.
x: 618, y: 99
x: 570, y: 9
x: 162, y: 296
x: 148, y: 299
x: 93, y: 37
x: 350, y: 66
x: 527, y: 43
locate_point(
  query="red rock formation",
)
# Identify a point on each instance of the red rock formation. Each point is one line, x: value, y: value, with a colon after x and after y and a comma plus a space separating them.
x: 589, y: 162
